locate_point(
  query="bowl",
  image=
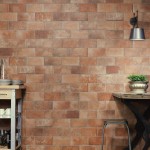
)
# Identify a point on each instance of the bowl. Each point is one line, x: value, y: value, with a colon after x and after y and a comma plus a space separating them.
x: 5, y: 82
x: 17, y: 82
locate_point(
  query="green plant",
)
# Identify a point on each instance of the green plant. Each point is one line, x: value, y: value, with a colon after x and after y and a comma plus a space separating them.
x: 136, y: 77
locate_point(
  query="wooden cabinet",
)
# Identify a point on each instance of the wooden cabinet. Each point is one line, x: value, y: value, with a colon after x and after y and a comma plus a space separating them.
x: 14, y: 94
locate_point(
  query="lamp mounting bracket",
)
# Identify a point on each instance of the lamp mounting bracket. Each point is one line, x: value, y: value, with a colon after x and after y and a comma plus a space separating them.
x: 134, y: 20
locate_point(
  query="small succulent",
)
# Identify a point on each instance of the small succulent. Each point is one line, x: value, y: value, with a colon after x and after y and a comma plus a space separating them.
x: 137, y: 77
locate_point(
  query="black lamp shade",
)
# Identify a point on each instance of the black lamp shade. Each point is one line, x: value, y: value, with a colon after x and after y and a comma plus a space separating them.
x: 137, y: 34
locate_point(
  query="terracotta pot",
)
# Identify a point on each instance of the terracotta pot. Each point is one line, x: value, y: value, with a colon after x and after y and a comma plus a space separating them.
x: 138, y: 86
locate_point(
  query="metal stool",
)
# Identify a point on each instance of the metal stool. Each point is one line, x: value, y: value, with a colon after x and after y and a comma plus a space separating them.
x: 116, y: 121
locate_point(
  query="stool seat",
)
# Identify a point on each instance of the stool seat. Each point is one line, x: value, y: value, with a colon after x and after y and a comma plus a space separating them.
x: 116, y: 121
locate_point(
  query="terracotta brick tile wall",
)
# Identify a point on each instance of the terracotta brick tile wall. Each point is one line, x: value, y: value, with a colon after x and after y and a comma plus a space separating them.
x: 72, y: 54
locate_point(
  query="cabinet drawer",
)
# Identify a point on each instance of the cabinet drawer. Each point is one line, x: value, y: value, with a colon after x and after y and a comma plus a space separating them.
x: 5, y: 94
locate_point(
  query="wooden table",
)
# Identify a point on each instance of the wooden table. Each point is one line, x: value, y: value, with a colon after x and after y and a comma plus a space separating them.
x: 15, y: 94
x: 142, y: 125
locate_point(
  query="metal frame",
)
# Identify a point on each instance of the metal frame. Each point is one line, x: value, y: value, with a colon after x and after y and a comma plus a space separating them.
x: 116, y: 121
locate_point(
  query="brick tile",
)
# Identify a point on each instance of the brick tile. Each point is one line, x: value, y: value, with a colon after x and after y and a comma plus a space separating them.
x: 114, y: 1
x: 97, y: 34
x: 92, y: 96
x: 96, y: 87
x: 61, y: 105
x: 60, y: 52
x: 104, y: 96
x: 114, y: 34
x: 53, y: 96
x: 43, y: 52
x: 81, y: 34
x: 112, y: 69
x: 77, y: 140
x: 43, y: 1
x: 32, y: 43
x: 115, y: 52
x: 86, y: 25
x: 35, y: 26
x: 26, y: 16
x: 96, y: 52
x: 5, y: 34
x: 61, y: 1
x: 57, y: 25
x: 115, y: 87
x: 61, y: 16
x: 70, y: 25
x: 117, y: 43
x: 79, y: 52
x: 17, y: 25
x: 17, y: 61
x: 25, y: 69
x: 87, y: 43
x: 35, y: 114
x: 114, y: 16
x: 87, y: 1
x: 88, y: 61
x: 70, y: 61
x: 34, y: 7
x: 35, y: 87
x: 56, y: 43
x: 23, y: 34
x: 52, y: 79
x: 52, y: 7
x: 70, y: 148
x: 8, y: 16
x: 95, y: 141
x: 6, y: 51
x: 105, y: 61
x: 43, y: 16
x: 124, y: 8
x: 106, y: 7
x: 3, y: 25
x: 88, y: 7
x: 43, y: 34
x: 70, y: 43
x: 70, y: 8
x: 79, y: 17
x: 90, y: 147
x: 96, y: 16
x: 61, y: 140
x: 107, y: 114
x: 52, y: 61
x: 17, y: 8
x: 70, y: 79
x: 97, y: 70
x: 43, y: 140
x: 35, y: 61
x: 26, y: 1
x: 4, y: 8
x: 62, y: 34
x: 79, y: 70
x: 35, y: 78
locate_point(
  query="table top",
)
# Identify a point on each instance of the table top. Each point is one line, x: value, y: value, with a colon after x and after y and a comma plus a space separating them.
x: 132, y: 95
x: 9, y: 87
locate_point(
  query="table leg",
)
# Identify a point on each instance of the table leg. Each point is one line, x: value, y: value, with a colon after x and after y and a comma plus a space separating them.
x: 142, y: 126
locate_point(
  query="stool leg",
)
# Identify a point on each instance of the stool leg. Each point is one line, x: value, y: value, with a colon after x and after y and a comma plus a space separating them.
x: 129, y: 138
x: 103, y: 135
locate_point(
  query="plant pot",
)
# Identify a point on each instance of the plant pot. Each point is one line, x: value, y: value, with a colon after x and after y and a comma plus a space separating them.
x: 138, y: 87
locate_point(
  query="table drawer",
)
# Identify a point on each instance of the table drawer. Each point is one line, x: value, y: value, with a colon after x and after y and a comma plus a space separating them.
x: 5, y: 94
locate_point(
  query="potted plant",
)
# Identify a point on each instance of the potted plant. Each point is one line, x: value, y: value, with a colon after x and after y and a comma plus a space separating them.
x: 138, y: 83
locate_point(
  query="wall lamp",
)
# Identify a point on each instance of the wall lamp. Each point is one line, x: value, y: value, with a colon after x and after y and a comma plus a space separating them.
x: 136, y: 32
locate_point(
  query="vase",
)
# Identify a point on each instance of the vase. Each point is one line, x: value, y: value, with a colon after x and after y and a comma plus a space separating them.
x: 138, y: 87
